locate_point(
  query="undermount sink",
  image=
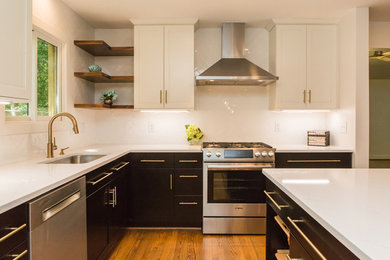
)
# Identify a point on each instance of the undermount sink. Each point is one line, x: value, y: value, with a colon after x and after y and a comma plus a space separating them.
x: 76, y: 159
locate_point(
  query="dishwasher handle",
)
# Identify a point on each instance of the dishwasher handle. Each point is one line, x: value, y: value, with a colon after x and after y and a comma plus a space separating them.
x: 60, y: 205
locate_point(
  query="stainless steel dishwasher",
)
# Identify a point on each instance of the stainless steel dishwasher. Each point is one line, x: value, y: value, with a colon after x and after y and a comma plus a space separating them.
x: 58, y: 223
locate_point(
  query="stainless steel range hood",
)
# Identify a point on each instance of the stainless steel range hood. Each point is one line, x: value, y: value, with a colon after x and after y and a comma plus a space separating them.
x: 233, y: 68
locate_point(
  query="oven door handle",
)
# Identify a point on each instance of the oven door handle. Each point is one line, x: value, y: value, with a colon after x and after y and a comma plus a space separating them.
x: 237, y: 167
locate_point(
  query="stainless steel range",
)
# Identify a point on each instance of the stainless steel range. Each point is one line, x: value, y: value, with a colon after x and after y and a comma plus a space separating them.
x: 233, y: 184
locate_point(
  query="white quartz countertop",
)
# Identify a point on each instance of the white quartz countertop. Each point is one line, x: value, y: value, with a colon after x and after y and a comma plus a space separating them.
x: 352, y: 204
x: 312, y: 149
x: 23, y: 181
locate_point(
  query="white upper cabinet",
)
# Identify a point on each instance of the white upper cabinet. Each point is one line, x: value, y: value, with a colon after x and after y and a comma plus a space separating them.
x: 322, y: 66
x: 305, y: 57
x: 148, y: 66
x: 15, y: 49
x: 164, y: 67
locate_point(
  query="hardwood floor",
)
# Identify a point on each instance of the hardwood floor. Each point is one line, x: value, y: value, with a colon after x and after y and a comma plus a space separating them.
x: 176, y: 244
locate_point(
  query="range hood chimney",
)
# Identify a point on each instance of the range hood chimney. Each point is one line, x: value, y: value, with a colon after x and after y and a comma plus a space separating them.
x: 233, y: 68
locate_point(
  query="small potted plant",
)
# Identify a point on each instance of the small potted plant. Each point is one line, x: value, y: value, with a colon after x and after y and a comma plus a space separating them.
x: 108, y: 97
x: 194, y: 134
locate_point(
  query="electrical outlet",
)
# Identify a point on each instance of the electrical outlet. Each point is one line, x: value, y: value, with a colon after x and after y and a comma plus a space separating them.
x: 343, y: 127
x: 150, y: 127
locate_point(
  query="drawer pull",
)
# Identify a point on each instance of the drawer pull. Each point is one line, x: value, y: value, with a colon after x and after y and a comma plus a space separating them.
x: 152, y: 161
x: 188, y: 203
x: 170, y: 181
x: 313, y: 161
x: 188, y: 176
x: 305, y: 237
x: 106, y: 174
x: 283, y: 226
x: 13, y: 232
x: 188, y: 161
x: 268, y: 193
x: 16, y: 257
x: 119, y: 166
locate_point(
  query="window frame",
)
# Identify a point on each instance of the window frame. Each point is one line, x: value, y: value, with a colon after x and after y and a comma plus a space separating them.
x: 33, y: 102
x: 41, y: 34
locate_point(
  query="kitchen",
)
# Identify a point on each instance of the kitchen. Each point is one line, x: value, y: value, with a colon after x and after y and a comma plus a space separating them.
x: 224, y: 113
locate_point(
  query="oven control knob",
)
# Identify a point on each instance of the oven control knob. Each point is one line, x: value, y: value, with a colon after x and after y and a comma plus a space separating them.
x: 264, y: 154
x: 270, y: 154
x: 218, y: 154
x: 257, y: 154
x: 208, y: 154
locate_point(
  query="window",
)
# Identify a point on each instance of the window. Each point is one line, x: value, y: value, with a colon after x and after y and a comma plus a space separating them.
x: 45, y: 101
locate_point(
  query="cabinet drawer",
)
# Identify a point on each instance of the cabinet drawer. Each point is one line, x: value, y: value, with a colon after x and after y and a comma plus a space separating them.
x: 188, y: 160
x: 188, y: 182
x: 13, y: 228
x: 121, y: 166
x: 154, y: 160
x: 188, y: 211
x: 20, y: 252
x: 313, y: 160
x: 98, y: 178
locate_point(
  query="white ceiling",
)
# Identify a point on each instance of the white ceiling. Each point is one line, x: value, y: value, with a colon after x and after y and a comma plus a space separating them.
x: 116, y: 13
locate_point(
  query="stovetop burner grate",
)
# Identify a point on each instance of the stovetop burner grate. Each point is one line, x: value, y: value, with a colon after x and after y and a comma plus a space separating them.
x: 235, y: 145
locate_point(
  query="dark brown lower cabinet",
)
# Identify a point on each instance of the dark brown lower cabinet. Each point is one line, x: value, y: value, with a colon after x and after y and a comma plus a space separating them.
x: 307, y: 238
x: 188, y: 211
x: 313, y: 160
x: 165, y: 190
x: 106, y: 204
x: 14, y: 233
x: 97, y: 222
x: 151, y: 197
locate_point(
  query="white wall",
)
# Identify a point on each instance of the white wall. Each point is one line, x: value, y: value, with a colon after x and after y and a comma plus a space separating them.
x: 379, y: 34
x: 224, y: 113
x: 350, y: 123
x: 20, y: 140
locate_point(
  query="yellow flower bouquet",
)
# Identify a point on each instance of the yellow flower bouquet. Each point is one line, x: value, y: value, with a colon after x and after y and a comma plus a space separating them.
x: 193, y: 133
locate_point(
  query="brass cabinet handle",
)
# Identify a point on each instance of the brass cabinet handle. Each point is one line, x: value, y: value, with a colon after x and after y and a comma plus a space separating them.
x: 188, y: 203
x: 113, y: 193
x: 152, y: 161
x: 268, y: 193
x: 16, y: 257
x: 309, y: 96
x: 283, y: 226
x: 116, y: 198
x: 59, y: 206
x: 313, y: 161
x: 188, y: 161
x: 305, y: 237
x: 166, y: 96
x: 304, y: 96
x: 188, y: 176
x: 106, y: 174
x: 13, y: 232
x: 170, y: 181
x: 160, y: 96
x: 119, y: 166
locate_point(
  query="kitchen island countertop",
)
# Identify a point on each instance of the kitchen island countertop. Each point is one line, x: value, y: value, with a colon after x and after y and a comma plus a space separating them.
x: 352, y: 204
x: 26, y: 180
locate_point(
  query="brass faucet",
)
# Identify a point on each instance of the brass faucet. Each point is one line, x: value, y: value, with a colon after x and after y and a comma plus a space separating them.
x: 50, y: 145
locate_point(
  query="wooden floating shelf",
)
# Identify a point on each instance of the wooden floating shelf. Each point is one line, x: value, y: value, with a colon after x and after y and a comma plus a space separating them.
x: 101, y: 48
x: 101, y: 77
x: 103, y: 106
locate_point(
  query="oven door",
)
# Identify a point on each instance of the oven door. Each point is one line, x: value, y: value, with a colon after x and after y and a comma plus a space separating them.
x: 234, y: 189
